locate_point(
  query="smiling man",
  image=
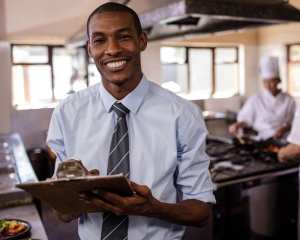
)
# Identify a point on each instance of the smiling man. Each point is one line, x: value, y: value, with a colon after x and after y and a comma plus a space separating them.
x: 127, y: 124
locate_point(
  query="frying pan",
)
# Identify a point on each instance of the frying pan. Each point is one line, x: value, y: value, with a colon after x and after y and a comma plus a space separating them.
x: 264, y: 146
x: 247, y: 144
x: 270, y: 146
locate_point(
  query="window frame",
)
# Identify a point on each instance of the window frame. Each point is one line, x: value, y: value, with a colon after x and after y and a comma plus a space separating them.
x: 289, y: 62
x: 50, y: 62
x: 214, y: 64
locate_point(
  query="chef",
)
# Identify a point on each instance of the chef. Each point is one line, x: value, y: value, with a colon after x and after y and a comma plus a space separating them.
x: 292, y: 150
x: 269, y: 112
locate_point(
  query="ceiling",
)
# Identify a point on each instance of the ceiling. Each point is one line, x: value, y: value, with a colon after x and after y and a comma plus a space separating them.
x: 52, y: 21
x: 58, y: 21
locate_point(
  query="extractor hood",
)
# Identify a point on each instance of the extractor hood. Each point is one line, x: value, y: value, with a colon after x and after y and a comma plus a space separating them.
x: 210, y: 16
x: 163, y: 19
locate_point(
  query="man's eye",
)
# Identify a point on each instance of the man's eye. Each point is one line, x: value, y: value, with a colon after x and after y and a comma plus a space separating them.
x: 124, y: 37
x: 99, y: 40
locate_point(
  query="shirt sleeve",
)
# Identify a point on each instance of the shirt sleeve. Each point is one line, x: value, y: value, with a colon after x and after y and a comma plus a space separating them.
x: 294, y: 136
x: 291, y: 111
x: 194, y: 177
x: 55, y: 138
x: 247, y: 113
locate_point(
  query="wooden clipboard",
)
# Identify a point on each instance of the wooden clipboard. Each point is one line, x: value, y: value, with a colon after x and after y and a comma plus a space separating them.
x: 62, y: 195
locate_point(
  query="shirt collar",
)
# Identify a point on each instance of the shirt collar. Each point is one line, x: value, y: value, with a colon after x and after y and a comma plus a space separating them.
x: 132, y: 101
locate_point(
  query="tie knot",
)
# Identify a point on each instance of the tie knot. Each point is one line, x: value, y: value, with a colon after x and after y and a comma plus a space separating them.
x: 120, y: 109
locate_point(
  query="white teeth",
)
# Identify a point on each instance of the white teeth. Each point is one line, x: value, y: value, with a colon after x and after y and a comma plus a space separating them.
x: 115, y: 64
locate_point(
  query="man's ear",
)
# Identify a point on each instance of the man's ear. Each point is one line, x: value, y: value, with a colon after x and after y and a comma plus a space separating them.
x: 143, y: 41
x: 88, y: 47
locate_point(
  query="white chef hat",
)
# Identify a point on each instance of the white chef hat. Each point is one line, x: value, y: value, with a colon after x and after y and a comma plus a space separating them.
x: 269, y: 67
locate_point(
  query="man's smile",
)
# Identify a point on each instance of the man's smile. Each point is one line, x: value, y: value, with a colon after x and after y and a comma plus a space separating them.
x: 116, y: 64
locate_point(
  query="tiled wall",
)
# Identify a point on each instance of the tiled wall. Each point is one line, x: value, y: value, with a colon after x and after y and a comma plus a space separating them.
x: 32, y: 125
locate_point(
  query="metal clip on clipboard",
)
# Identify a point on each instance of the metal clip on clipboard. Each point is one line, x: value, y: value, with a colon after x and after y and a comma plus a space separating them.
x: 70, y: 170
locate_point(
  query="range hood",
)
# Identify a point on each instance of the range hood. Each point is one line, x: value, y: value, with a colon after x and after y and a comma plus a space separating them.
x: 212, y: 16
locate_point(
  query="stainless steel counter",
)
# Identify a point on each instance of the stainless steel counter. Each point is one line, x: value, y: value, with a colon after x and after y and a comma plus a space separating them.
x: 15, y: 167
x: 28, y: 213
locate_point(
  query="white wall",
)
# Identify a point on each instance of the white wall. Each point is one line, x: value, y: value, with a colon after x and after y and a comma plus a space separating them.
x: 249, y: 74
x: 5, y: 75
x: 151, y: 65
x: 5, y: 87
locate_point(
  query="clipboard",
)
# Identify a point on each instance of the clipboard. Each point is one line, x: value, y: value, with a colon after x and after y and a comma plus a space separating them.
x: 61, y: 192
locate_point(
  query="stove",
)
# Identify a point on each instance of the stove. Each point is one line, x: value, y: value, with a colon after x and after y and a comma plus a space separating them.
x: 236, y: 173
x: 231, y: 163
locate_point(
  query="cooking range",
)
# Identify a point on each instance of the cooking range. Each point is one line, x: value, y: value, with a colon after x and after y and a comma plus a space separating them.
x: 230, y: 162
x: 236, y: 173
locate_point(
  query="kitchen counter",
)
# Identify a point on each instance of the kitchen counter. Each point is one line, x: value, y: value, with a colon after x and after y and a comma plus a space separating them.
x: 244, y: 180
x: 15, y: 167
x: 212, y: 115
x: 27, y: 213
x: 234, y: 165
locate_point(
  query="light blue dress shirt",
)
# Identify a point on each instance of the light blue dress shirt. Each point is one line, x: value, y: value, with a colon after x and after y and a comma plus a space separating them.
x: 167, y: 149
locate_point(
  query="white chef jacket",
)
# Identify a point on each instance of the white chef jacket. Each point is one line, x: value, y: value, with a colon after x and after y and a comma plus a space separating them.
x: 266, y: 113
x: 294, y: 136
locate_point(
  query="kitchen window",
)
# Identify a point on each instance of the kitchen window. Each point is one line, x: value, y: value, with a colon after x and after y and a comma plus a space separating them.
x: 294, y: 70
x: 44, y: 75
x: 197, y: 73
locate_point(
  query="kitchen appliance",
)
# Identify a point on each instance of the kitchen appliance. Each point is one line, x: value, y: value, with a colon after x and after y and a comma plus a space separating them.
x: 203, y: 17
x: 163, y: 19
x: 236, y: 173
x: 231, y: 164
x: 14, y: 168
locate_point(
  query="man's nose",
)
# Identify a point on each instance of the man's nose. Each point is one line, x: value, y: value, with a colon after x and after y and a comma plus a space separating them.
x: 113, y: 47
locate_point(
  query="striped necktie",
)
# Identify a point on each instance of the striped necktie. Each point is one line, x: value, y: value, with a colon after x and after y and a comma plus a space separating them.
x: 115, y: 227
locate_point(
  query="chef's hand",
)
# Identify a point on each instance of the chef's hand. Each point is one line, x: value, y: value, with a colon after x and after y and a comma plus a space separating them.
x: 288, y: 152
x: 141, y: 203
x: 281, y: 131
x: 281, y: 155
x: 233, y: 128
x: 278, y: 134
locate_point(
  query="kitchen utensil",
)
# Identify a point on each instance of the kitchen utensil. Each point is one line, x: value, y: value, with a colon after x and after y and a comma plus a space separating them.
x: 242, y: 141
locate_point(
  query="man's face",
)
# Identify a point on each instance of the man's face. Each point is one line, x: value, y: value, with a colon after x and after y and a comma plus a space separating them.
x: 115, y: 47
x: 271, y: 85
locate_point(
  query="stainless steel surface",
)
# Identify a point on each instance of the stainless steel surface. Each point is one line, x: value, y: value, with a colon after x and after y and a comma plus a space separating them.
x: 256, y: 177
x: 163, y: 19
x: 231, y: 164
x: 15, y: 167
x: 28, y: 213
x: 202, y: 16
x: 8, y: 168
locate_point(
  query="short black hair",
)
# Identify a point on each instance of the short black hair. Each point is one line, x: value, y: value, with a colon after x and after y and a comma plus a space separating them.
x: 115, y: 7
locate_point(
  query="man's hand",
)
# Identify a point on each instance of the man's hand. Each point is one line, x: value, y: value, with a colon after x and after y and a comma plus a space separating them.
x: 189, y: 212
x: 65, y: 218
x: 281, y: 131
x: 69, y: 218
x: 288, y: 152
x: 141, y: 203
x: 233, y: 128
x: 87, y: 172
